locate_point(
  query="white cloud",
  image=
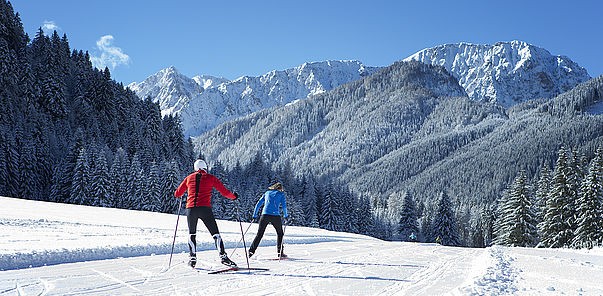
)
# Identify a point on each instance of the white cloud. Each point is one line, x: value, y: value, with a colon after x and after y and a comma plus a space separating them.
x: 110, y: 56
x: 49, y: 26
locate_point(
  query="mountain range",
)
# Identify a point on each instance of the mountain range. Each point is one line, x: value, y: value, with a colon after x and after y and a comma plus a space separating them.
x: 203, y: 102
x: 506, y: 73
x: 411, y: 128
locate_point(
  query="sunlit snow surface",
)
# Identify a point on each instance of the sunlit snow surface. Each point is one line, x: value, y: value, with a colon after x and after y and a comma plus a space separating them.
x: 76, y: 250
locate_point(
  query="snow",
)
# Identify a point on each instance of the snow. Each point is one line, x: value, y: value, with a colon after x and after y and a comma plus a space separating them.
x: 59, y: 249
x: 507, y: 72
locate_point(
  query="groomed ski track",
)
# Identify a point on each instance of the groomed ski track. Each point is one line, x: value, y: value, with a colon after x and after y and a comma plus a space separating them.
x: 324, y: 269
x: 96, y: 251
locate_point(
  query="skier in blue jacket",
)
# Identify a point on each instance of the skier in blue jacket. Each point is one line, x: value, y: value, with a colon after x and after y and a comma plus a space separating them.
x: 272, y: 200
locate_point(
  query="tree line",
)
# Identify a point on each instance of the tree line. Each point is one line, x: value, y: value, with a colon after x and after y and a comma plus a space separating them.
x: 69, y: 133
x: 561, y: 210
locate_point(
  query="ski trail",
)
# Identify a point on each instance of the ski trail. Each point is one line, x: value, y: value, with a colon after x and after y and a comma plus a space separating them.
x: 108, y: 276
x: 499, y: 278
x: 46, y: 287
x: 346, y: 270
x: 19, y: 289
x: 439, y: 266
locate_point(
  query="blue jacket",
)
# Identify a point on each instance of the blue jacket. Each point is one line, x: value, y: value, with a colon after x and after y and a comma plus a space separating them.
x: 273, y: 199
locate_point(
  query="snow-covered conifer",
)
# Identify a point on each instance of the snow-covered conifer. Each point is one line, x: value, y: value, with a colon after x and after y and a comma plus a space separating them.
x: 517, y: 223
x: 555, y: 229
x: 444, y: 222
x: 589, y: 231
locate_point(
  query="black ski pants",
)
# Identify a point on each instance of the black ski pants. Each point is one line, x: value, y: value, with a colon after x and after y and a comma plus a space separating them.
x: 263, y: 223
x: 207, y: 216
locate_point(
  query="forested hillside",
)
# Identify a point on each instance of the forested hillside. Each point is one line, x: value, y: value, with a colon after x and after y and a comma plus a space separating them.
x: 69, y: 133
x: 410, y: 130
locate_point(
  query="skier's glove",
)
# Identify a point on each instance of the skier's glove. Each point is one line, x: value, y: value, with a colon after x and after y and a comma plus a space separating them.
x: 253, y: 219
x: 286, y: 220
x: 236, y: 196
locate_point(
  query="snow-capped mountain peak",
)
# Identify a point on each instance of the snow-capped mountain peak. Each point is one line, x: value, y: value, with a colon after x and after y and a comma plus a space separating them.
x: 208, y: 81
x: 507, y: 72
x: 172, y: 89
x: 205, y: 101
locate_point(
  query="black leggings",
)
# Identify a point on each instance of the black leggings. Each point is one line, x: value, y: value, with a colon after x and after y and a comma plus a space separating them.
x: 278, y: 226
x: 207, y: 216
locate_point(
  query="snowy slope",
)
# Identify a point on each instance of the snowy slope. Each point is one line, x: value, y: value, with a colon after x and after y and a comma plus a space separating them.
x: 65, y: 246
x: 205, y: 101
x: 506, y: 72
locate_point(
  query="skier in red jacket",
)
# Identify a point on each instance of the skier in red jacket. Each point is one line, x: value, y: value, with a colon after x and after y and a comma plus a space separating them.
x: 198, y: 206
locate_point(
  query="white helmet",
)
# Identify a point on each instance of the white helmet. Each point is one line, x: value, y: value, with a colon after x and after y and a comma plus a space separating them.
x: 200, y: 165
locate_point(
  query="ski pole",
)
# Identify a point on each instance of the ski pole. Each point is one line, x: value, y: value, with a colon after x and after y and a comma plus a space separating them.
x: 242, y: 233
x: 175, y: 231
x: 282, y: 243
x: 239, y: 242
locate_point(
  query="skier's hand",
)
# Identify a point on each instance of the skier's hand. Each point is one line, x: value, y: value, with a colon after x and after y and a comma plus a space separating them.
x: 253, y: 219
x: 236, y: 196
x: 286, y: 220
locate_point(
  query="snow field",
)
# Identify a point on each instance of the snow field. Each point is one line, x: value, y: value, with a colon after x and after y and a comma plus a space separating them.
x: 74, y: 250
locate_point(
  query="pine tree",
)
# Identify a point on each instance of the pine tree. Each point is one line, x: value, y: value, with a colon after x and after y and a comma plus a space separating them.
x: 29, y: 180
x: 407, y: 224
x: 3, y: 169
x: 444, y: 223
x: 348, y: 216
x: 55, y: 188
x: 294, y: 209
x: 556, y: 229
x: 118, y: 179
x: 382, y: 228
x: 366, y: 221
x: 542, y: 193
x: 12, y: 154
x: 153, y: 191
x: 517, y: 223
x: 329, y: 214
x: 575, y: 175
x: 68, y: 165
x: 171, y: 180
x: 40, y: 129
x: 53, y: 96
x: 100, y: 189
x: 135, y: 185
x: 589, y: 232
x: 80, y: 180
x: 309, y: 203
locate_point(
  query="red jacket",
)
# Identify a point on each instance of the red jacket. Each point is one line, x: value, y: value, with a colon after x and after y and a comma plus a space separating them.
x: 200, y: 196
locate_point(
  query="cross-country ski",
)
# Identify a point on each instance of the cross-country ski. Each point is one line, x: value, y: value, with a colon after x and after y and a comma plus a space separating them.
x: 230, y: 269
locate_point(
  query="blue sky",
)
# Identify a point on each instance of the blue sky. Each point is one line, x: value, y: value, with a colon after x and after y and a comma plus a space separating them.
x: 137, y: 38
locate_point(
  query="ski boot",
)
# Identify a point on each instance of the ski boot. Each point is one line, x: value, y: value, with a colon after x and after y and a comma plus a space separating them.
x: 192, y: 261
x: 226, y: 261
